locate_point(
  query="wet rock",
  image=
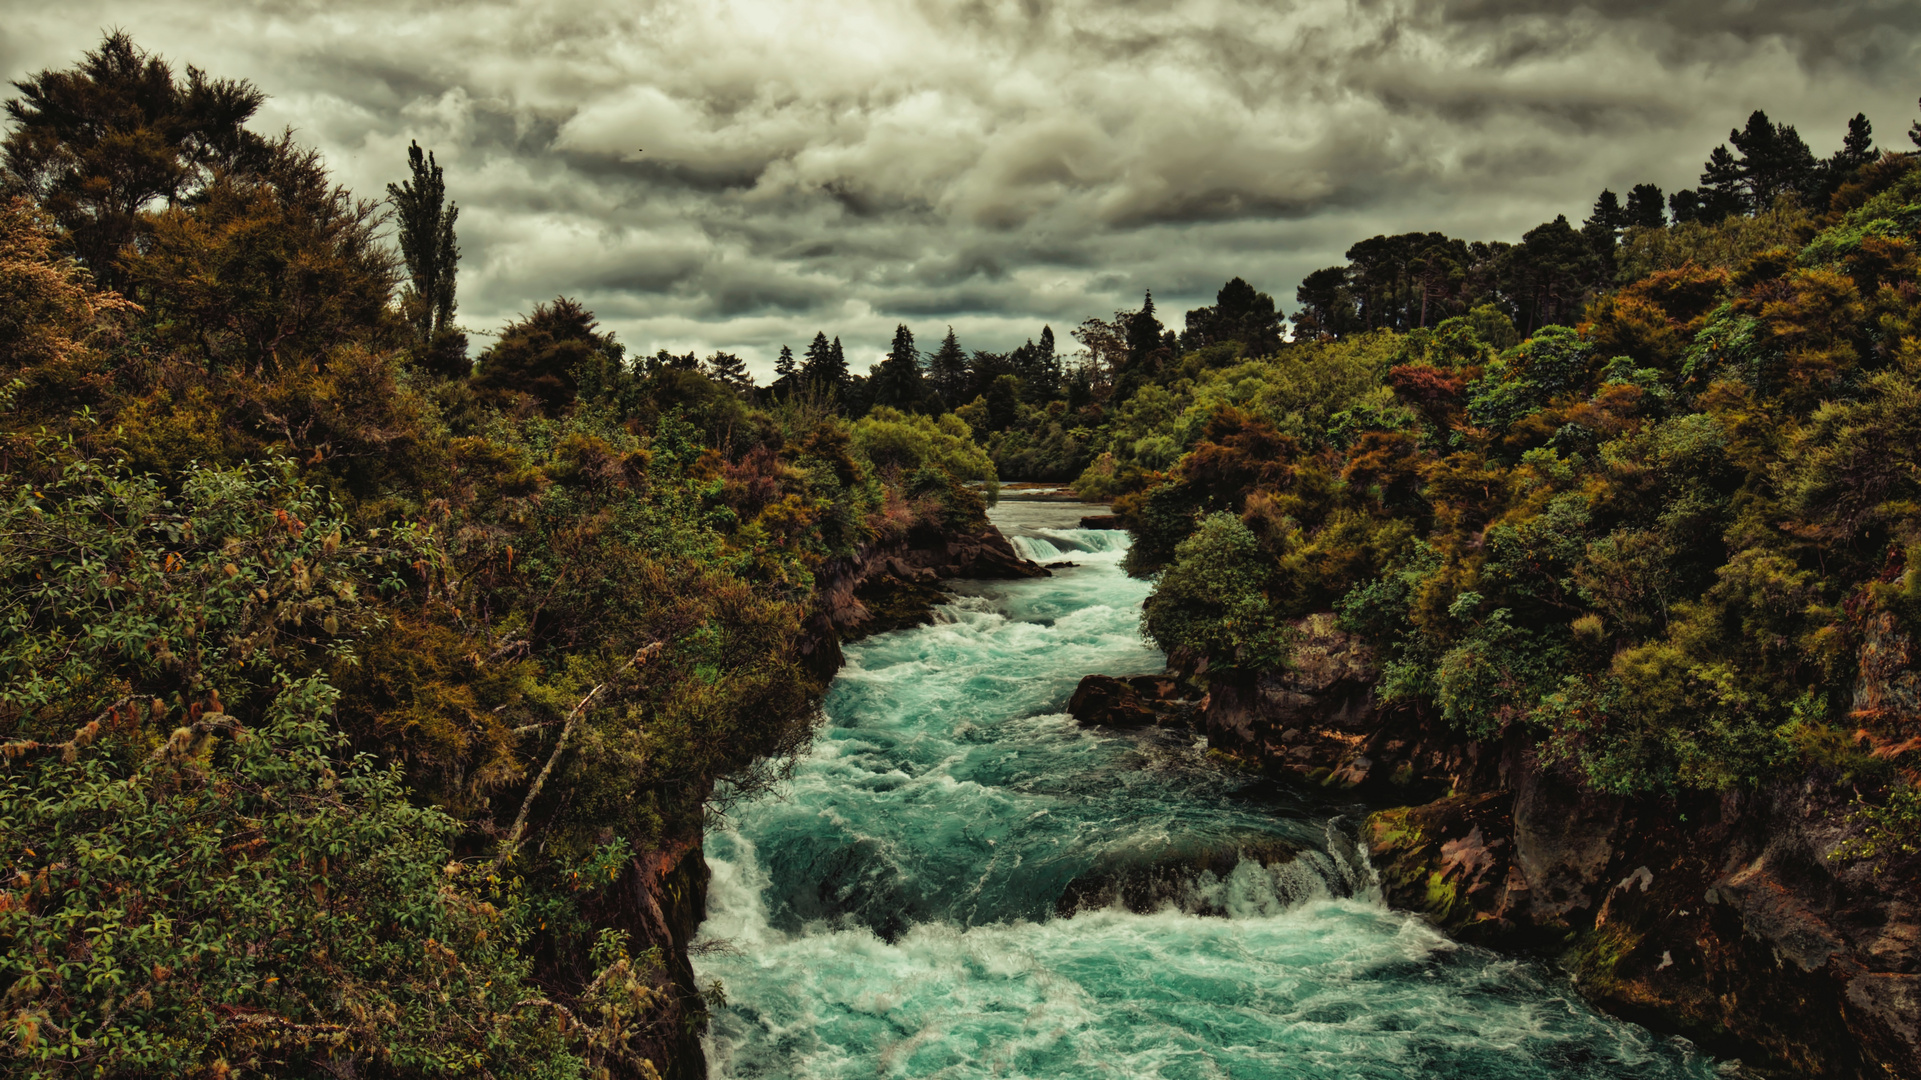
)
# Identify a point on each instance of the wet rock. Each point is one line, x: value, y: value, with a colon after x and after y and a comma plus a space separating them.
x: 1194, y: 879
x: 1564, y: 839
x: 1112, y: 702
x: 1102, y: 521
x: 1155, y: 687
x: 895, y: 584
x: 1451, y: 860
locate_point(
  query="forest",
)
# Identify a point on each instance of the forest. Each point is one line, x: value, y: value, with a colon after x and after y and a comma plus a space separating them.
x: 1643, y: 493
x: 346, y: 684
x: 351, y: 677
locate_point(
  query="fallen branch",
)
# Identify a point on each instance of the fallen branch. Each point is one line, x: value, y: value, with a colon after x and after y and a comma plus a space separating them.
x: 512, y: 842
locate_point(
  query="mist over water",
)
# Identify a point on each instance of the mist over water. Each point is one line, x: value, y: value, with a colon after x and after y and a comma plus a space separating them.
x: 896, y: 910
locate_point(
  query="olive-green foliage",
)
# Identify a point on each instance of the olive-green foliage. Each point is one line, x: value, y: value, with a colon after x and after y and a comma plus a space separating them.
x: 1300, y: 392
x: 893, y: 440
x: 1658, y: 544
x: 198, y: 880
x: 1212, y: 602
x: 553, y: 605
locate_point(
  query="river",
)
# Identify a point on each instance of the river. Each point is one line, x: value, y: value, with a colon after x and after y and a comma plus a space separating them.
x: 895, y: 910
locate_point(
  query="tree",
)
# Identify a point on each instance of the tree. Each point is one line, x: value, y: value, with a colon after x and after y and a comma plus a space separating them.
x: 897, y: 381
x: 1857, y: 147
x: 1602, y: 229
x: 1857, y: 152
x: 97, y: 144
x: 1645, y: 208
x: 426, y: 221
x: 825, y: 368
x: 947, y: 369
x: 784, y: 367
x: 540, y: 355
x: 1044, y: 380
x: 263, y: 264
x: 1549, y: 273
x: 729, y: 369
x: 1774, y: 162
x: 1327, y: 304
x: 1239, y: 313
x: 1607, y: 212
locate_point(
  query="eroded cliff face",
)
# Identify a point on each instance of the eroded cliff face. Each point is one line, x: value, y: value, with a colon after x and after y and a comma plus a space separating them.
x: 1722, y: 918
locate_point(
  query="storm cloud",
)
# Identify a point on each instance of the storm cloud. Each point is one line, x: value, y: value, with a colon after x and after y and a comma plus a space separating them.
x: 739, y: 175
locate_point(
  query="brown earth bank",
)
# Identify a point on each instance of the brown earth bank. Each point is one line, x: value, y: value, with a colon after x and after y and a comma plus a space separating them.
x: 887, y: 585
x: 1718, y: 917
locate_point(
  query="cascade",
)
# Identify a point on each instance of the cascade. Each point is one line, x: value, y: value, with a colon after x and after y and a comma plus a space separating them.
x: 961, y: 881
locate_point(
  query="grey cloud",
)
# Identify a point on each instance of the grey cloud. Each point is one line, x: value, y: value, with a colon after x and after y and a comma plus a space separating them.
x: 996, y: 164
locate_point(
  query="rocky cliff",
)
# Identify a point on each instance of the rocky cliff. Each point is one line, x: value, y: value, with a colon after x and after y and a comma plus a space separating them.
x: 1720, y: 917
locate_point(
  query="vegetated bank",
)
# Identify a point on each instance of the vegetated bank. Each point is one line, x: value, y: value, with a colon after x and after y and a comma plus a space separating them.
x: 361, y: 704
x: 1622, y: 609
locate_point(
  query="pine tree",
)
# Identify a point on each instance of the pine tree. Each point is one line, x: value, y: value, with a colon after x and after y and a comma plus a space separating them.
x: 427, y: 244
x: 1607, y: 211
x: 1602, y: 230
x: 1857, y: 147
x: 824, y: 369
x: 728, y: 369
x: 1722, y: 192
x: 1773, y: 162
x: 1143, y: 334
x: 785, y: 367
x: 1645, y: 208
x: 897, y: 381
x: 947, y: 369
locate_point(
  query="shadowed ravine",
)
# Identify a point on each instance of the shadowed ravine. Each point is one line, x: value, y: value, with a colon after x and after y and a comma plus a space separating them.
x: 896, y: 910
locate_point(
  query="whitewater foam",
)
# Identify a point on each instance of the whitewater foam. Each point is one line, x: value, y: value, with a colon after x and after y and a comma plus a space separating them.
x: 893, y: 911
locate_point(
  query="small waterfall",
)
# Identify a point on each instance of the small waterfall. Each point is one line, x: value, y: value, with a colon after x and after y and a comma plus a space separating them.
x: 1035, y: 548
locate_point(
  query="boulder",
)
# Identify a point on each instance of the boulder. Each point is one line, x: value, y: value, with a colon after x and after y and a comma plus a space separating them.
x: 1102, y: 521
x: 1104, y: 699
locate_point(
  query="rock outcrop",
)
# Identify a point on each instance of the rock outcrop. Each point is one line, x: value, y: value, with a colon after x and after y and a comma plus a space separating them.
x: 893, y: 584
x: 1720, y: 917
x: 1136, y: 701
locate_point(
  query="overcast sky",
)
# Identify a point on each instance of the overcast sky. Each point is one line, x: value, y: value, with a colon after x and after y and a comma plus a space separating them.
x: 712, y: 175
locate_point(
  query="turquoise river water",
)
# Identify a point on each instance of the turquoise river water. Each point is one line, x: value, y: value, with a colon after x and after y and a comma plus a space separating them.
x: 893, y: 911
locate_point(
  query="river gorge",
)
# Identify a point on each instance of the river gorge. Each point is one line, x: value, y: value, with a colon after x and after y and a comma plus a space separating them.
x: 962, y: 881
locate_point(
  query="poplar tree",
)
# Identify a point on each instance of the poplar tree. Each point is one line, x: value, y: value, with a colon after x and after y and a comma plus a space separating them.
x: 426, y: 244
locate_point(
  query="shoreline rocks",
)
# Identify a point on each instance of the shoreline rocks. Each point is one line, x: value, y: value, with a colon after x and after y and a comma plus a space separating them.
x: 1718, y: 916
x: 1133, y: 702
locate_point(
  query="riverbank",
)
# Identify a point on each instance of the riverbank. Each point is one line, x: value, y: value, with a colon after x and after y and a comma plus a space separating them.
x: 1722, y: 918
x: 960, y: 879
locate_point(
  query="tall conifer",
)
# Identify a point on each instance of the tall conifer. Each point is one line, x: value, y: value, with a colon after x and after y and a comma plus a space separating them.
x: 426, y: 243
